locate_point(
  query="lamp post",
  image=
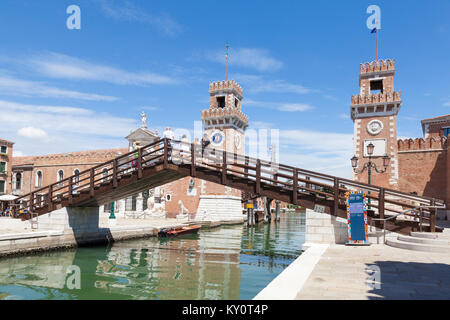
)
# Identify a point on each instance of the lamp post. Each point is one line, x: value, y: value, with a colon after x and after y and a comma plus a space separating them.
x: 370, y: 165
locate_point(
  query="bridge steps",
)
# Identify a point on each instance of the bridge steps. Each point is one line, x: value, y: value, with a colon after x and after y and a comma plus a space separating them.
x: 419, y: 243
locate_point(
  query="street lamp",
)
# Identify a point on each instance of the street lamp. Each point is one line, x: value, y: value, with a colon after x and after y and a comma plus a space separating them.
x: 369, y: 165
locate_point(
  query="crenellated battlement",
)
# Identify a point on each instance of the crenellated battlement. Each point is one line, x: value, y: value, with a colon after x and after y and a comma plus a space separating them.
x: 224, y: 112
x: 377, y: 66
x: 421, y: 144
x: 225, y: 85
x: 377, y: 98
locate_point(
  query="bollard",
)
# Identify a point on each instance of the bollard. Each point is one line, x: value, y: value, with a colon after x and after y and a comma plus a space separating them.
x: 277, y: 210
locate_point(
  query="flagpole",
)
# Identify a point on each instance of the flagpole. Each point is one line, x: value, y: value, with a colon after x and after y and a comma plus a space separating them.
x: 376, y: 58
x: 226, y: 75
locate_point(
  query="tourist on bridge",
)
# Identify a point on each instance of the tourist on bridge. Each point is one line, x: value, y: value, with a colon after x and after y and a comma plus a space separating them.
x: 205, y: 143
x: 169, y: 135
x: 185, y: 149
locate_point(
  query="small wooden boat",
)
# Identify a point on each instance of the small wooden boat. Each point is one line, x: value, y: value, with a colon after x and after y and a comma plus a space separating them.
x: 173, y: 232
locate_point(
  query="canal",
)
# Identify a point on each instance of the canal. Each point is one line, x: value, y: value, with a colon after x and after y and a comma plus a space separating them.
x: 230, y: 262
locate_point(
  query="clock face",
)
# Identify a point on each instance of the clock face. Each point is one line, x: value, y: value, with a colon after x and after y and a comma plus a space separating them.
x: 374, y: 127
x: 217, y: 138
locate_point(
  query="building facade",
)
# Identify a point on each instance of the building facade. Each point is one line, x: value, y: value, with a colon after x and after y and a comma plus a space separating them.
x: 419, y: 165
x: 6, y: 161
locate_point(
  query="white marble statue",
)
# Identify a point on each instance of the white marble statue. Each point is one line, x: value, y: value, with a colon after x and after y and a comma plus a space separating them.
x: 155, y: 209
x: 183, y: 212
x: 144, y: 119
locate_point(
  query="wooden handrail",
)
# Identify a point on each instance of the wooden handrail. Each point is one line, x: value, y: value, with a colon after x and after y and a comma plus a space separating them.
x: 258, y: 171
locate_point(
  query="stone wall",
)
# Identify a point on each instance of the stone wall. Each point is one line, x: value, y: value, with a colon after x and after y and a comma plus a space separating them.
x: 219, y: 208
x: 324, y: 228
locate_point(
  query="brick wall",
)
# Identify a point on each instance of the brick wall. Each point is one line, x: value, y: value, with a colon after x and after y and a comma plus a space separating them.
x: 49, y: 165
x: 423, y: 167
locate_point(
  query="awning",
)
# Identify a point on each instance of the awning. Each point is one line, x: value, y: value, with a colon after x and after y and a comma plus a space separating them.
x: 8, y: 197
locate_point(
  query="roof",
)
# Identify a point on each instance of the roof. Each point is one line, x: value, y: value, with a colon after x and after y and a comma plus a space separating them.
x: 31, y: 159
x: 435, y: 119
x: 7, y: 141
x: 141, y: 133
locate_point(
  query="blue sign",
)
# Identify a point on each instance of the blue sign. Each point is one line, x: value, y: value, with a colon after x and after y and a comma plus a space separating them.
x: 357, y: 218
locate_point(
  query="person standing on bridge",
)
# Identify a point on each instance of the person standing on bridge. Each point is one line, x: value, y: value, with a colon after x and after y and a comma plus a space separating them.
x: 137, y: 145
x: 169, y: 135
x: 185, y: 149
x: 205, y: 143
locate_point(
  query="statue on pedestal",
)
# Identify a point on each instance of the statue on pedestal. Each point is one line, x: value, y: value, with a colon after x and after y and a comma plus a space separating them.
x: 144, y: 119
x: 183, y: 212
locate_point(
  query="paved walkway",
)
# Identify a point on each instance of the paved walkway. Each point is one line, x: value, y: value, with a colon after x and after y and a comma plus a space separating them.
x: 341, y: 273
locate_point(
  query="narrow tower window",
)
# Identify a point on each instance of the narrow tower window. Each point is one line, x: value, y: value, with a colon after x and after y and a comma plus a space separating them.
x: 376, y: 85
x: 220, y: 102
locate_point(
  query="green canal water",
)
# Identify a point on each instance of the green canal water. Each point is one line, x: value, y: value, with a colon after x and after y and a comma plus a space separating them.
x: 230, y: 262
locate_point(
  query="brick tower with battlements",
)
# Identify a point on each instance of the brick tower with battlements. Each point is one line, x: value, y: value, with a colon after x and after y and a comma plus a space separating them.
x: 374, y: 113
x: 224, y: 122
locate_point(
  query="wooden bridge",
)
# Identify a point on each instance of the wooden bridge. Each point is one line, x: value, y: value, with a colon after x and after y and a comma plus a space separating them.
x: 165, y: 161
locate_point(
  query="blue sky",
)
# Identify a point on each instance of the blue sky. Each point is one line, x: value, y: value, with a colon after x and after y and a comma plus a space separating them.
x: 298, y: 61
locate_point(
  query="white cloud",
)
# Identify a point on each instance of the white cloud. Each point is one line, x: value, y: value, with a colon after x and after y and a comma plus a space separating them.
x: 253, y: 58
x: 17, y: 87
x: 281, y: 106
x: 61, y: 66
x: 17, y: 153
x: 150, y: 108
x: 344, y: 116
x: 447, y: 104
x: 295, y: 107
x: 257, y: 84
x: 126, y: 11
x: 320, y: 151
x: 67, y: 128
x: 33, y: 133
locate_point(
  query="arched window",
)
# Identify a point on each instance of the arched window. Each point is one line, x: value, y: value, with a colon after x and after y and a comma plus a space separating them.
x: 39, y: 179
x: 60, y: 176
x: 18, y: 181
x: 76, y: 173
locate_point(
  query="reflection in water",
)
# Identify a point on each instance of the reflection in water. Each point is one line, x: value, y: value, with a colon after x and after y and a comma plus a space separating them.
x: 231, y: 262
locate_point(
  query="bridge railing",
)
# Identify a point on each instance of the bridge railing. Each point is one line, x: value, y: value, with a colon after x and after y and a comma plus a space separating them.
x: 89, y: 180
x: 291, y: 180
x: 384, y: 202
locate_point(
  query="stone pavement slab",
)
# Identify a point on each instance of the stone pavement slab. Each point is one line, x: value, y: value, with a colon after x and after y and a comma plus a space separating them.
x: 341, y: 273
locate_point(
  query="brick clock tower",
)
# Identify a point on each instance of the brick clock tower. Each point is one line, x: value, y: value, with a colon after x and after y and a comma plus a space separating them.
x: 225, y: 124
x: 374, y: 113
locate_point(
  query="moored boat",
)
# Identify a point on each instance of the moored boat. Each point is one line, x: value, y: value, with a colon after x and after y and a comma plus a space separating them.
x: 176, y: 231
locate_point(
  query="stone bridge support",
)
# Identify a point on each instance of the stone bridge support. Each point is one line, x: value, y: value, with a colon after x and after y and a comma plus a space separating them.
x: 78, y: 223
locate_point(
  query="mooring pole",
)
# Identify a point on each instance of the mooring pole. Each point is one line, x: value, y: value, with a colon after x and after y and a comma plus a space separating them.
x: 277, y: 210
